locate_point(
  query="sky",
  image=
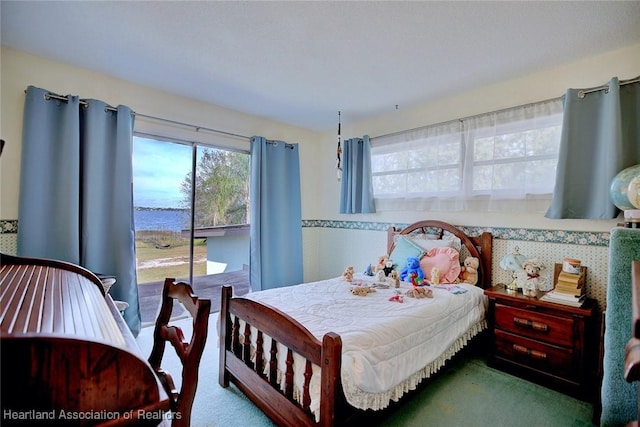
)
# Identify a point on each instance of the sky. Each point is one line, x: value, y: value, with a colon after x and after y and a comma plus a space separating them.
x: 158, y: 170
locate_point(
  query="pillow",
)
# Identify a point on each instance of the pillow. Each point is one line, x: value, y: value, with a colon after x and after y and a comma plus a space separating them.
x: 404, y: 249
x: 430, y: 241
x: 415, y: 236
x: 446, y: 259
x: 455, y: 241
x: 427, y: 245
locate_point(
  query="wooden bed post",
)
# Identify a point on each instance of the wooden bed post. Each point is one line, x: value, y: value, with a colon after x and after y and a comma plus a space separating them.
x: 223, y: 376
x: 486, y: 250
x: 330, y: 377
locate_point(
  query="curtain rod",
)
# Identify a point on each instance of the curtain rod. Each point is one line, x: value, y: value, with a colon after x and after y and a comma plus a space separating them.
x: 464, y: 118
x: 275, y: 143
x: 582, y: 93
x: 197, y: 128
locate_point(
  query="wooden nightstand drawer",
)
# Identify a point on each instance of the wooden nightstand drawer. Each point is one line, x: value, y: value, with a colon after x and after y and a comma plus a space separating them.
x: 534, y: 354
x: 548, y: 343
x: 528, y: 323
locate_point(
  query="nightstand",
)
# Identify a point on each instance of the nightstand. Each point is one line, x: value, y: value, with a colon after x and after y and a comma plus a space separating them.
x: 552, y: 344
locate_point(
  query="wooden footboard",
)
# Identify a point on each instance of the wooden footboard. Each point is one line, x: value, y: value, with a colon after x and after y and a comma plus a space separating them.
x: 261, y: 385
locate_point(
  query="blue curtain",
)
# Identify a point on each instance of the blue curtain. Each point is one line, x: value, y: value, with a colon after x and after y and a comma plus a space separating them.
x: 276, y: 216
x: 76, y: 196
x: 356, y: 191
x: 600, y: 137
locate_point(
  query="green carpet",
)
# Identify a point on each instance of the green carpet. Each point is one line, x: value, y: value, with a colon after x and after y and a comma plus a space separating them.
x: 469, y: 393
x: 466, y: 392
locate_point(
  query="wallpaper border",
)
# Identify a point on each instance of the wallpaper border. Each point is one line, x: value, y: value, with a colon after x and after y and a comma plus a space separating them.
x: 8, y: 226
x: 590, y: 238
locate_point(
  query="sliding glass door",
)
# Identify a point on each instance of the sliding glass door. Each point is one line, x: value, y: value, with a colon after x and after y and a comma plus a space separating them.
x: 188, y: 229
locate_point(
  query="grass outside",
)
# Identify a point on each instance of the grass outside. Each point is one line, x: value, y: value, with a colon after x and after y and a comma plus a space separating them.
x: 162, y: 254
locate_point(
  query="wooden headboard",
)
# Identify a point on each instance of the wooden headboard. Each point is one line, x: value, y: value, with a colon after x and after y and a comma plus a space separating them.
x: 480, y: 247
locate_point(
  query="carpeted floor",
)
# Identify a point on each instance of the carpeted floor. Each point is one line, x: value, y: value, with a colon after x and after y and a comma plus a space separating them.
x: 465, y: 393
x: 468, y: 393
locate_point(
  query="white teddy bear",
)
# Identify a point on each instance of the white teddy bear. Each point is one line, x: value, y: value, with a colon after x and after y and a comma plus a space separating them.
x: 529, y: 277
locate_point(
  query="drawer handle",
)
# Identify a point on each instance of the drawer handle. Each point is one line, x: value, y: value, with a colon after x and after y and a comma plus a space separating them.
x: 531, y: 353
x: 530, y: 324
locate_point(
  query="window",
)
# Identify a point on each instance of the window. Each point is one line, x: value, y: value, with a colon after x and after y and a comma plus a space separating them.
x: 487, y: 162
x: 422, y: 163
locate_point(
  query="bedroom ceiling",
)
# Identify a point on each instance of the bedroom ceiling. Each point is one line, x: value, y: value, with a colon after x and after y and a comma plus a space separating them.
x: 299, y: 62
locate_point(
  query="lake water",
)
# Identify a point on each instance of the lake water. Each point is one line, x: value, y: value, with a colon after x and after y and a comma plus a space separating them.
x: 160, y: 219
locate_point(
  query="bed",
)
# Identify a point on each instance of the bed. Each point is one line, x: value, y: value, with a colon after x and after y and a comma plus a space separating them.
x: 316, y: 354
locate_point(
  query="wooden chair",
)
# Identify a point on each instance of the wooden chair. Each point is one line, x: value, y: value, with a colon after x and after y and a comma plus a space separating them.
x: 632, y: 350
x: 189, y: 352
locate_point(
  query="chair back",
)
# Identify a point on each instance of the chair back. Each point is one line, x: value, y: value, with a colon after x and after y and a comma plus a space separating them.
x: 189, y: 351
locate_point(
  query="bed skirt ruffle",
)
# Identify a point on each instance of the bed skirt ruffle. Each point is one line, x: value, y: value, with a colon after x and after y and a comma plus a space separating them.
x: 377, y: 401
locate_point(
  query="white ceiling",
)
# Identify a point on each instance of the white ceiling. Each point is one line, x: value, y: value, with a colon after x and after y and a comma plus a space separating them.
x: 299, y: 62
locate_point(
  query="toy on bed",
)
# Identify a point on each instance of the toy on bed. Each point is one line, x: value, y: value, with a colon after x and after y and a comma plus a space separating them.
x: 380, y: 276
x: 381, y: 268
x: 469, y: 270
x: 384, y: 264
x: 361, y: 291
x: 390, y: 281
x: 435, y: 276
x: 394, y: 279
x: 348, y: 273
x: 412, y: 268
x: 397, y: 297
x: 420, y: 292
x: 529, y: 277
x: 416, y: 281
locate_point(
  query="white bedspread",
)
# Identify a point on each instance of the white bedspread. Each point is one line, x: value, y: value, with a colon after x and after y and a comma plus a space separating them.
x: 388, y: 347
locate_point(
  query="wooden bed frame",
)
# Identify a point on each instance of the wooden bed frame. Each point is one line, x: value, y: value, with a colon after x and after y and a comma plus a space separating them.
x: 236, y: 363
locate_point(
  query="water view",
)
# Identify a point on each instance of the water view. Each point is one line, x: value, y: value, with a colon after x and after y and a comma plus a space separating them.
x: 160, y: 219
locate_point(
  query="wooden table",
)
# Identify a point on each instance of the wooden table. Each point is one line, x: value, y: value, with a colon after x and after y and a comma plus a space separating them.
x: 67, y: 354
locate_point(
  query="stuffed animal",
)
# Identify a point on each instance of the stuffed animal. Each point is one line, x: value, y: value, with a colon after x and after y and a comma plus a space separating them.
x: 368, y: 271
x: 381, y: 264
x: 413, y: 266
x: 348, y: 273
x: 469, y: 270
x: 420, y: 292
x: 529, y: 277
x: 435, y: 276
x: 361, y: 291
x: 397, y: 297
x: 394, y: 279
x: 388, y: 268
